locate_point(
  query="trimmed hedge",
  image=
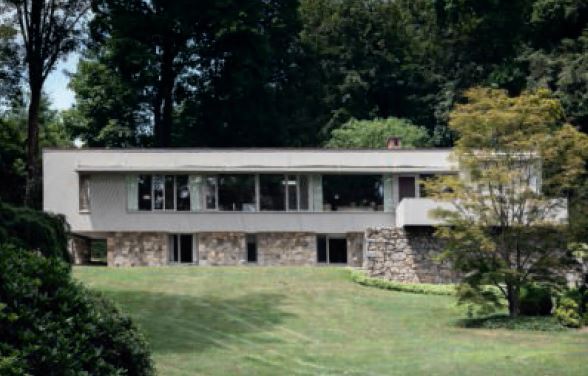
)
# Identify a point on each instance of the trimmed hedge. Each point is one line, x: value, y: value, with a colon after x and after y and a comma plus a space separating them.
x: 538, y: 323
x: 32, y: 229
x: 51, y: 325
x: 360, y: 277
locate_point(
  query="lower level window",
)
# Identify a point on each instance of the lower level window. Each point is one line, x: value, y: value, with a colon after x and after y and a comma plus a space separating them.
x: 331, y: 249
x: 251, y: 248
x: 181, y: 248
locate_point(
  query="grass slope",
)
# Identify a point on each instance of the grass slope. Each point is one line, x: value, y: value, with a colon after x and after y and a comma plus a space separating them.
x: 315, y: 321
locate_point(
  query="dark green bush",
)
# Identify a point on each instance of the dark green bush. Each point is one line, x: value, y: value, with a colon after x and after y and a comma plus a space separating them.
x: 32, y: 229
x: 535, y: 300
x: 50, y: 325
x: 538, y: 323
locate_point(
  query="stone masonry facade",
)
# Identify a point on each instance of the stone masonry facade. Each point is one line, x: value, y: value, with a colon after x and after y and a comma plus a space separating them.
x: 136, y: 249
x: 221, y: 248
x: 406, y: 255
x: 286, y: 248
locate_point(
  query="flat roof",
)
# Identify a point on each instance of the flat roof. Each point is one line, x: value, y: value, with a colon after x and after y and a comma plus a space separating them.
x: 238, y: 150
x: 252, y: 160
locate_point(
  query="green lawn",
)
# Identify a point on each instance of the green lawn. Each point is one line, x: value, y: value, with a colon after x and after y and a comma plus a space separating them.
x: 314, y: 321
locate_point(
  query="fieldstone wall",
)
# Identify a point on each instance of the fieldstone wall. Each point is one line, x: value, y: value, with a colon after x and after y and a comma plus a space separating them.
x: 286, y: 248
x: 221, y: 248
x: 79, y: 249
x: 405, y: 255
x: 355, y: 248
x: 136, y: 249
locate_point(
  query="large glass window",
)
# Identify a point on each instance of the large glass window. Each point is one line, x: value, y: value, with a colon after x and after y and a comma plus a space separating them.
x: 303, y: 186
x: 84, y: 194
x: 353, y: 193
x: 163, y: 192
x: 210, y: 192
x: 144, y: 192
x: 182, y: 193
x: 236, y: 192
x: 272, y: 192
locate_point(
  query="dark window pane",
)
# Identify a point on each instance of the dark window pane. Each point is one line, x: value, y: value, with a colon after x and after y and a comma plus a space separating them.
x: 186, y: 248
x: 406, y: 187
x: 251, y: 248
x: 84, y: 194
x: 158, y: 186
x: 182, y: 193
x: 292, y: 185
x: 174, y: 248
x: 210, y: 192
x: 272, y: 194
x: 145, y: 192
x: 169, y: 192
x: 303, y: 192
x: 236, y: 192
x: 353, y: 192
x: 337, y: 251
x: 321, y: 248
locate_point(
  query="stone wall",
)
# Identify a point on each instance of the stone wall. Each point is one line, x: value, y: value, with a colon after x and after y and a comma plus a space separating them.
x: 355, y: 248
x: 136, y: 249
x: 405, y: 255
x: 221, y: 248
x: 286, y: 248
x: 79, y: 249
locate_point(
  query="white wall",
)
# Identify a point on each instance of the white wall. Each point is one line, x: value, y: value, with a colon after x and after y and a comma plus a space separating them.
x: 108, y: 190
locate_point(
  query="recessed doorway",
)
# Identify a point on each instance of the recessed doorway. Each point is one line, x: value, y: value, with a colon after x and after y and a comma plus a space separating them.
x: 331, y: 249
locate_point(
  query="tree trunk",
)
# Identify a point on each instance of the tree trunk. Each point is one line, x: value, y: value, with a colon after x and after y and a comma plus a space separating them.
x: 33, y: 142
x: 513, y: 300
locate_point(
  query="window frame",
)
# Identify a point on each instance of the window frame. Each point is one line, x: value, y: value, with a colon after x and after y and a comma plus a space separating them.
x: 170, y: 243
x: 86, y: 188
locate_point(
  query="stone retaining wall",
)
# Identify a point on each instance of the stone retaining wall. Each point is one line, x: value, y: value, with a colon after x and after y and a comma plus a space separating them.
x: 136, y: 249
x: 405, y: 255
x: 286, y: 248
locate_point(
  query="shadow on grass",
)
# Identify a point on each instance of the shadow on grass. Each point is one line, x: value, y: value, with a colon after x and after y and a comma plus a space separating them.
x: 536, y: 323
x: 178, y: 323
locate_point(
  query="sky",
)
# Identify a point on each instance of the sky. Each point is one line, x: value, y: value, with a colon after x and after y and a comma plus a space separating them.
x: 56, y: 84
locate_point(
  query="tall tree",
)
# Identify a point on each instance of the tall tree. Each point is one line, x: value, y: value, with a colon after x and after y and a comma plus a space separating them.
x: 49, y: 30
x: 502, y: 228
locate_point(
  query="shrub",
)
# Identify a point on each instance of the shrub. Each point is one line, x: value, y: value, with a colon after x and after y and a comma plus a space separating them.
x: 51, y: 325
x: 538, y: 323
x: 32, y: 229
x: 535, y: 300
x: 568, y: 313
x: 415, y: 288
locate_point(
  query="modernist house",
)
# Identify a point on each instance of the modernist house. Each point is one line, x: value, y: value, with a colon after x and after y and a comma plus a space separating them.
x: 237, y: 206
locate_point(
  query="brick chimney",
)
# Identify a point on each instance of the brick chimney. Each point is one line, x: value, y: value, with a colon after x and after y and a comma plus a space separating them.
x: 393, y: 142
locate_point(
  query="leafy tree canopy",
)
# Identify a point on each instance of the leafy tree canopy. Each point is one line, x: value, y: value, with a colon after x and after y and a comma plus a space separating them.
x: 375, y: 133
x: 502, y: 228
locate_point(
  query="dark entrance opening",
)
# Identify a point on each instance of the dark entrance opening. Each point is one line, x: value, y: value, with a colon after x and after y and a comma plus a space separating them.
x: 251, y: 248
x: 321, y: 248
x: 337, y: 250
x: 406, y: 187
x: 331, y: 250
x: 181, y: 250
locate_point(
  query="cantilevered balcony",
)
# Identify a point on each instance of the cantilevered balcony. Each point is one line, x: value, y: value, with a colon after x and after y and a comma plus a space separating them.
x: 417, y: 211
